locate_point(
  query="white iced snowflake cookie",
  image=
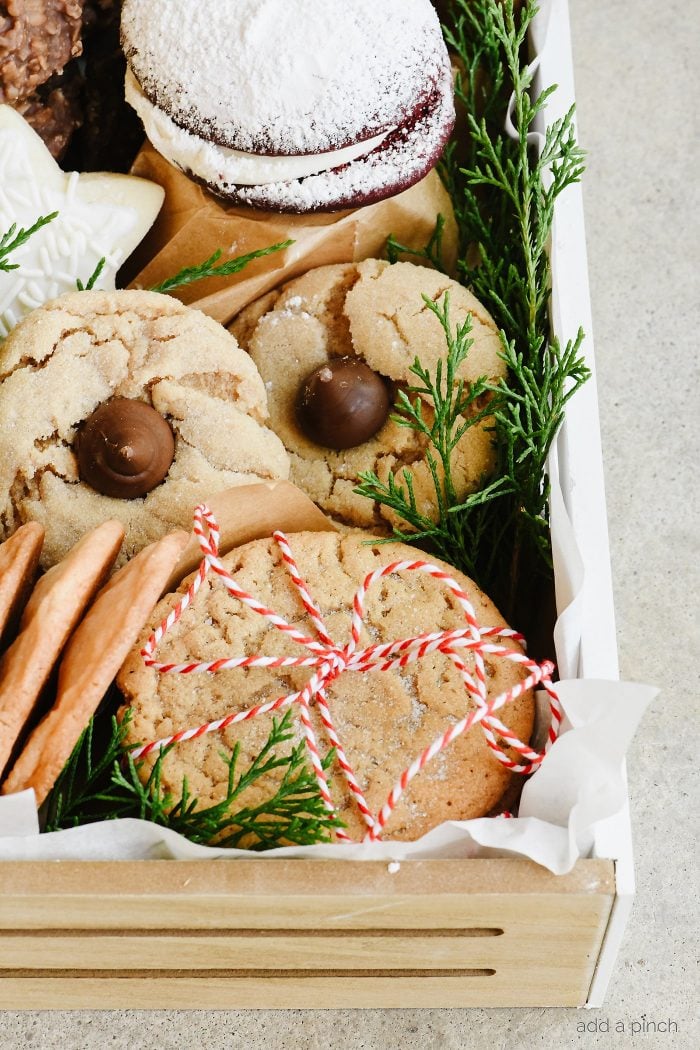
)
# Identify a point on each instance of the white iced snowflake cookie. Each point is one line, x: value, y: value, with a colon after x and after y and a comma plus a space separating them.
x: 99, y: 216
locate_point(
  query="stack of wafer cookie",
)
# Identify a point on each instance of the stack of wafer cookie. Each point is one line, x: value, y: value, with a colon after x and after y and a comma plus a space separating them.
x: 72, y: 633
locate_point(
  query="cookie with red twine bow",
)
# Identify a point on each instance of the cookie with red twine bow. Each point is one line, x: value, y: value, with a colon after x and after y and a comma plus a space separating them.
x: 471, y: 649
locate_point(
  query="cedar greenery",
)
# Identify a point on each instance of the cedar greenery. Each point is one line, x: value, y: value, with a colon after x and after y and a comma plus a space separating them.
x: 456, y: 407
x: 504, y: 197
x: 209, y: 268
x: 14, y: 238
x: 103, y: 782
x: 93, y: 278
x: 431, y: 253
x: 198, y: 272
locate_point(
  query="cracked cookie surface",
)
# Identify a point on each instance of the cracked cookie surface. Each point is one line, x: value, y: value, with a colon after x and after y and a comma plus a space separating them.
x: 384, y: 719
x: 83, y: 349
x: 375, y: 312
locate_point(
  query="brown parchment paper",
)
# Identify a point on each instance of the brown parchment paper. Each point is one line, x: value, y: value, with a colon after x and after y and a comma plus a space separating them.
x: 193, y: 224
x: 254, y: 512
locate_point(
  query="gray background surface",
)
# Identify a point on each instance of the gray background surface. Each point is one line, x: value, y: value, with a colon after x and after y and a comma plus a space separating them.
x: 638, y: 95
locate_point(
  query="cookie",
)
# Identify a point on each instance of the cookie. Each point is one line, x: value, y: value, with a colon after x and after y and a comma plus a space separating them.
x: 82, y: 359
x: 36, y: 40
x: 373, y: 313
x: 57, y: 603
x: 19, y: 561
x: 291, y: 105
x: 383, y: 719
x: 98, y: 216
x: 92, y: 658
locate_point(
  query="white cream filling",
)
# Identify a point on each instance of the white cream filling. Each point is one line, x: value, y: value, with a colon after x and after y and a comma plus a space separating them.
x: 219, y: 165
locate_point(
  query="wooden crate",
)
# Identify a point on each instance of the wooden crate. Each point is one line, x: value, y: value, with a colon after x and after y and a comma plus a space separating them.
x: 261, y: 933
x: 438, y: 933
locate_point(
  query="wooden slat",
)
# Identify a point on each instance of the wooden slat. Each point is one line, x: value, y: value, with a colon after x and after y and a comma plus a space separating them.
x: 345, y: 951
x: 258, y: 894
x: 297, y: 933
x: 293, y: 992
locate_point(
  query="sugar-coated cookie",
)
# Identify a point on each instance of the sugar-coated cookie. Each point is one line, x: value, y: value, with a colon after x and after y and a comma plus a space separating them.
x: 292, y: 105
x: 373, y: 313
x: 95, y: 376
x: 383, y: 718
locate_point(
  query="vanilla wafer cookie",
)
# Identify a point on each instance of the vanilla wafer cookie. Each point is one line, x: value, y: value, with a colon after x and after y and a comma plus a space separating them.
x: 92, y: 658
x: 55, y: 607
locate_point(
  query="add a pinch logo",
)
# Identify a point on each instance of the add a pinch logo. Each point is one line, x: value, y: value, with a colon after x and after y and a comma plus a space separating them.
x: 637, y: 1026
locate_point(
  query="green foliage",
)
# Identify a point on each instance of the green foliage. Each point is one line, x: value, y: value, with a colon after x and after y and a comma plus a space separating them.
x: 208, y: 268
x: 509, y: 191
x: 504, y: 194
x: 431, y: 253
x: 14, y: 238
x: 92, y: 279
x: 455, y: 406
x: 101, y: 781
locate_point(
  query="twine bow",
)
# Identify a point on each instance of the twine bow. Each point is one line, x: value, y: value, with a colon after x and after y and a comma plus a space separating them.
x: 329, y: 660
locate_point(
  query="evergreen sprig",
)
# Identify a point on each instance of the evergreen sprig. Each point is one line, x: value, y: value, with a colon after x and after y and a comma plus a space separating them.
x: 93, y: 278
x: 14, y: 238
x: 442, y: 408
x: 103, y: 782
x: 431, y: 253
x: 209, y: 268
x: 517, y: 211
x: 504, y: 194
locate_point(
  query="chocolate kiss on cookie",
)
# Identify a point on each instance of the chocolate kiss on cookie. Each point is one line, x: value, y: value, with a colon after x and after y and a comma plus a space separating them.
x: 90, y: 380
x: 374, y: 315
x: 125, y: 449
x: 342, y: 404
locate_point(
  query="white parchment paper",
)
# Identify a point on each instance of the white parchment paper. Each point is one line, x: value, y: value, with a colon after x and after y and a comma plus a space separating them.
x: 579, y: 783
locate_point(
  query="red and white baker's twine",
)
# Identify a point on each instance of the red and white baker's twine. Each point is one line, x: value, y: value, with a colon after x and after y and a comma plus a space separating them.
x: 329, y: 661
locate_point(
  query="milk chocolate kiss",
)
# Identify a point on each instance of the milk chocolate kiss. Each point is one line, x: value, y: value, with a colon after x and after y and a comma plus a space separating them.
x: 124, y: 449
x: 342, y: 404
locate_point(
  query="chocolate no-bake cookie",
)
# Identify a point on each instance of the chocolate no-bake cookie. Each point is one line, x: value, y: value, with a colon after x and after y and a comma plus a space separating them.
x: 37, y: 39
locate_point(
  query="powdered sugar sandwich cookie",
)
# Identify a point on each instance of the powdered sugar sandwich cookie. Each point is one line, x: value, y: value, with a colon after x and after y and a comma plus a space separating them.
x: 332, y: 348
x: 125, y: 405
x: 292, y: 105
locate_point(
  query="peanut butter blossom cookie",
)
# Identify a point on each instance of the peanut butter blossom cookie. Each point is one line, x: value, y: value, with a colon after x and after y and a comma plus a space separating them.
x: 128, y: 406
x: 384, y: 719
x: 292, y: 105
x: 333, y: 348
